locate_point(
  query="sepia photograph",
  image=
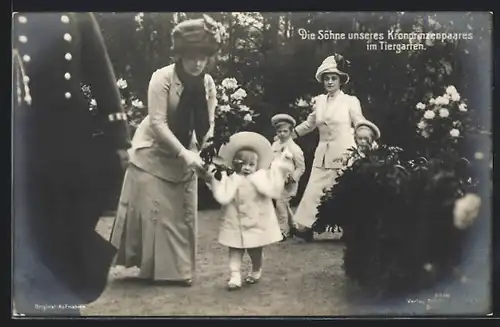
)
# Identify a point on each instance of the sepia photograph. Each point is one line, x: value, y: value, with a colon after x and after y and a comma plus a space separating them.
x: 242, y: 164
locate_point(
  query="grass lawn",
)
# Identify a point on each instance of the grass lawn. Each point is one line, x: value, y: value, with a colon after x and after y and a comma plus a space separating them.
x: 304, y: 279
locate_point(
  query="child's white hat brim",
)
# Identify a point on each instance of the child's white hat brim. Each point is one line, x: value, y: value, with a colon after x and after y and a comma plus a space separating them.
x: 283, y: 118
x: 250, y: 141
x: 370, y: 125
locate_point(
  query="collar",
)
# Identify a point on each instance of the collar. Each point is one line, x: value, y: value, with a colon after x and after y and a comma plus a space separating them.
x: 321, y: 106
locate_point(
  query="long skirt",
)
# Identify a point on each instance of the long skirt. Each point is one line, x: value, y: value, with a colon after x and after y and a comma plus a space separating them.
x: 320, y: 180
x: 156, y: 226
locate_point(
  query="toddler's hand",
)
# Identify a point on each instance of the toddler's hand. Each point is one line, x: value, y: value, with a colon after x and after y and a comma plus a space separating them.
x: 286, y: 154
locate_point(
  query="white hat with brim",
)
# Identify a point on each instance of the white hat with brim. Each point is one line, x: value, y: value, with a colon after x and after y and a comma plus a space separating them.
x: 329, y: 66
x: 247, y: 141
x: 370, y: 125
x: 283, y: 118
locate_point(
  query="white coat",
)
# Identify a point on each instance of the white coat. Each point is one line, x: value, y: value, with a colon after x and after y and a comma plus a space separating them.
x: 248, y: 217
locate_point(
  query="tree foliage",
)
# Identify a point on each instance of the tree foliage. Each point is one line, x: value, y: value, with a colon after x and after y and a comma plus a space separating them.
x: 266, y: 54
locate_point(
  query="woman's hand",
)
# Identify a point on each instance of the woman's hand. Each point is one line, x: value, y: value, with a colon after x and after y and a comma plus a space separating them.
x: 206, y: 174
x: 208, y: 139
x: 192, y: 158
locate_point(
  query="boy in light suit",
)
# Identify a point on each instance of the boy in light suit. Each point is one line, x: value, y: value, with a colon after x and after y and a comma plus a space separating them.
x: 284, y: 125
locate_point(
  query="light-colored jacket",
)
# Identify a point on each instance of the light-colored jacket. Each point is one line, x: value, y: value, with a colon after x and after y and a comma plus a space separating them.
x: 335, y: 123
x: 299, y: 166
x: 155, y: 148
x: 248, y: 216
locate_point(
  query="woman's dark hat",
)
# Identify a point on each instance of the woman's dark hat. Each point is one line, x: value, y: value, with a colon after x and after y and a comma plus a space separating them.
x: 202, y: 35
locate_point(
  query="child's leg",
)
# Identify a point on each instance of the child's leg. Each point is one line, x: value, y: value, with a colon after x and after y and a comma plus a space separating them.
x: 282, y: 205
x: 291, y: 223
x: 255, y: 255
x: 235, y: 259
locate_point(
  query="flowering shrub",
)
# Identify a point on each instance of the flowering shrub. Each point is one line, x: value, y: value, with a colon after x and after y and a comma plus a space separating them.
x: 443, y: 121
x: 396, y: 249
x: 232, y: 115
x: 302, y: 107
x: 134, y: 108
x: 395, y: 214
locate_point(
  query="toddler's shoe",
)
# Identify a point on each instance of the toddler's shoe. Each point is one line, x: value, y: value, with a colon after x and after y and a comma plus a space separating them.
x: 234, y: 282
x: 253, y: 277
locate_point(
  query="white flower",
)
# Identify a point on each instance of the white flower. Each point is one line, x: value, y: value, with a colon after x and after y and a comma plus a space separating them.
x: 450, y: 90
x: 457, y: 123
x: 420, y: 106
x: 137, y: 103
x: 444, y: 112
x: 432, y: 101
x: 441, y: 100
x: 455, y: 132
x: 230, y: 83
x: 139, y: 18
x: 248, y: 117
x: 122, y: 84
x: 302, y: 103
x: 225, y: 108
x: 462, y: 107
x: 123, y: 101
x: 429, y: 114
x: 240, y: 94
x: 455, y: 97
x: 93, y: 102
x: 422, y: 124
x: 426, y: 134
x: 225, y: 98
x: 446, y: 96
x: 244, y: 108
x: 466, y: 210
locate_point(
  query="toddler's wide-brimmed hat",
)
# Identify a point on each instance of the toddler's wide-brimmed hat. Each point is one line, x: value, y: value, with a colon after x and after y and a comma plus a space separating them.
x: 201, y: 35
x: 282, y: 118
x: 370, y: 125
x: 247, y: 141
x: 329, y: 65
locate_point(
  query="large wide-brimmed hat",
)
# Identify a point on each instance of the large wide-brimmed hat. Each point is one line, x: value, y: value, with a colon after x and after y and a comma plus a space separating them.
x: 202, y: 35
x: 282, y: 118
x: 247, y: 141
x: 370, y: 125
x: 329, y: 65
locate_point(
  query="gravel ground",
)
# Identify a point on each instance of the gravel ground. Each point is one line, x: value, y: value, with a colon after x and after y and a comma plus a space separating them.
x: 299, y: 279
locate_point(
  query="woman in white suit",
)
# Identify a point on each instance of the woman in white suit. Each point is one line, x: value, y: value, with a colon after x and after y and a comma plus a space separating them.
x: 334, y: 115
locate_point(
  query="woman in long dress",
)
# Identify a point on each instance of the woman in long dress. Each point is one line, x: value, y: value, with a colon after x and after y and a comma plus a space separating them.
x: 334, y: 115
x: 156, y: 224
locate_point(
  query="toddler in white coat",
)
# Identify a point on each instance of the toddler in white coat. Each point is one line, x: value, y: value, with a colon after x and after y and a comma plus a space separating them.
x: 249, y: 221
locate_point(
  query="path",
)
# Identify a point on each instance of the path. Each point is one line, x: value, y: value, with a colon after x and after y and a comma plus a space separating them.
x: 299, y: 279
x: 304, y: 279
